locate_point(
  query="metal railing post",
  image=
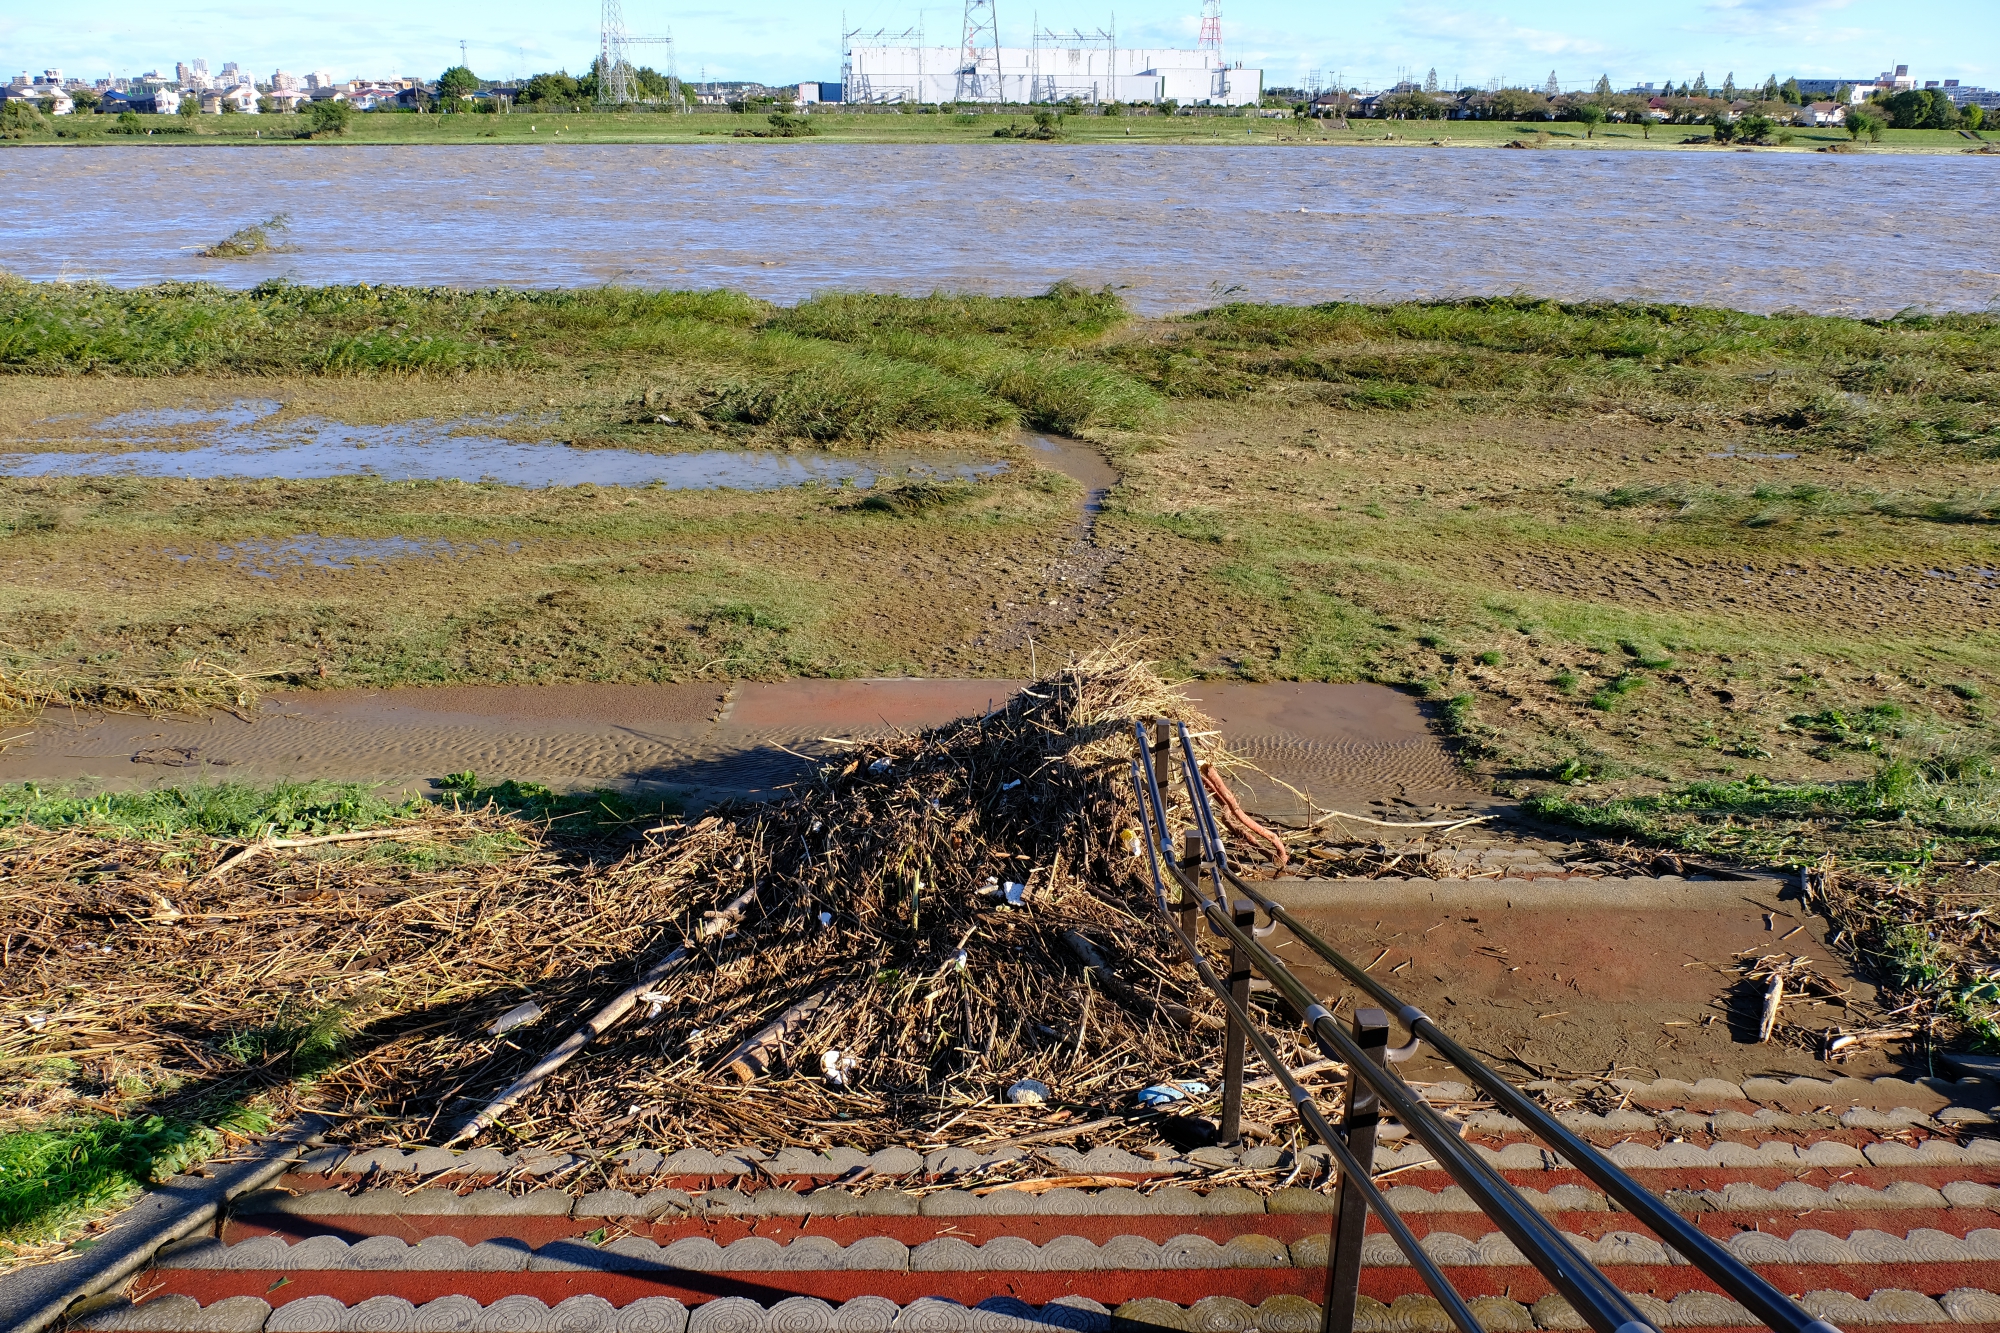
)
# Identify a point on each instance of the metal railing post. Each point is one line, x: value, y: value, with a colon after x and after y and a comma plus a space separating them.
x: 1350, y: 1218
x: 1191, y: 863
x: 1233, y: 1043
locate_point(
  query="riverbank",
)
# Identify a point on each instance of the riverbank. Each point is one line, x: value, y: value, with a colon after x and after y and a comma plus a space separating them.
x: 1711, y: 587
x: 1233, y: 130
x: 1631, y: 547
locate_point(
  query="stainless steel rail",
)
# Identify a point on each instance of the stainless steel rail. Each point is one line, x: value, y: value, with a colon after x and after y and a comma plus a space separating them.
x: 1593, y: 1295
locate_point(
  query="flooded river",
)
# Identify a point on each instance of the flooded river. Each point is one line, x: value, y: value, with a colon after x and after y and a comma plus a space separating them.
x: 1176, y: 227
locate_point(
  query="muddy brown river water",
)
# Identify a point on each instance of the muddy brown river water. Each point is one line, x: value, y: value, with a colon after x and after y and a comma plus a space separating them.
x: 1175, y: 227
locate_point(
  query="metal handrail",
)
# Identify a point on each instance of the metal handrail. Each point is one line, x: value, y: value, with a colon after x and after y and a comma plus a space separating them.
x: 1309, y: 1112
x: 1589, y: 1291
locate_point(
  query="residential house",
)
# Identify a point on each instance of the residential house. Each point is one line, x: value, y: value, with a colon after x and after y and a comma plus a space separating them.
x: 287, y: 99
x: 41, y: 96
x: 156, y: 102
x: 1821, y: 114
x: 237, y: 97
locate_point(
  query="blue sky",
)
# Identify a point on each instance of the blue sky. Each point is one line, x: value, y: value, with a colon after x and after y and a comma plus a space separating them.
x: 1467, y: 41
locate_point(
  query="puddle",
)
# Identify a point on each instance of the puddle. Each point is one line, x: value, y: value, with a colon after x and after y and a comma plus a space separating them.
x: 438, y: 451
x: 309, y: 550
x: 235, y: 416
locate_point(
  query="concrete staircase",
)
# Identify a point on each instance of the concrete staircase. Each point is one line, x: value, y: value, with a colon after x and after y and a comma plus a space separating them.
x: 1875, y: 1202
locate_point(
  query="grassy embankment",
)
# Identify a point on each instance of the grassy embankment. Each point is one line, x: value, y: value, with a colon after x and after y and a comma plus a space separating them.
x: 967, y: 127
x: 1516, y: 507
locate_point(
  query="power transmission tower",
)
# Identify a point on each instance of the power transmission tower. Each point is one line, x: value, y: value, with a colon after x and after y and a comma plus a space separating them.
x: 979, y: 54
x: 616, y: 84
x: 614, y: 67
x: 1211, y: 31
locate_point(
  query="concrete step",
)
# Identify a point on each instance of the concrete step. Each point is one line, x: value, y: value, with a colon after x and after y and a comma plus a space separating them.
x: 1872, y: 1201
x: 1909, y: 1311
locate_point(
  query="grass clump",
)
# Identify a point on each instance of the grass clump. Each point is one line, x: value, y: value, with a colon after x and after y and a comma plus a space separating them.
x: 1613, y: 692
x: 56, y: 1176
x: 594, y: 811
x: 913, y: 497
x: 216, y: 810
x: 255, y: 239
x: 1645, y: 654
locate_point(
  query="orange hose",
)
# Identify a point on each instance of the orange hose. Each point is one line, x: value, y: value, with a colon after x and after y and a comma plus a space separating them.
x: 1232, y: 810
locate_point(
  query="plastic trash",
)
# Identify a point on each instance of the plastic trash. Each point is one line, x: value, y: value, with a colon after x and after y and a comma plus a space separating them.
x: 882, y: 765
x: 519, y: 1016
x: 1008, y: 894
x: 826, y: 918
x: 655, y: 1002
x: 1128, y: 838
x: 1166, y: 1094
x: 1028, y: 1092
x: 1009, y: 786
x: 837, y: 1067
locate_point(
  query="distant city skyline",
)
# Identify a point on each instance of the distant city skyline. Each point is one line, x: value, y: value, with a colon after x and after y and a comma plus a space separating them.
x: 1468, y: 42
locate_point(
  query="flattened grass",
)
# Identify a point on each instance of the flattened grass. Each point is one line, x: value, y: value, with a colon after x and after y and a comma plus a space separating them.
x: 848, y: 366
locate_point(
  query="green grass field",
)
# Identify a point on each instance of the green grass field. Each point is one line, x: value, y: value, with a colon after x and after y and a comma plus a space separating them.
x: 880, y: 127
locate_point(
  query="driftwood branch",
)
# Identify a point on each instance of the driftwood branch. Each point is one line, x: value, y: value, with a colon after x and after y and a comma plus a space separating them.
x: 760, y: 1050
x: 1454, y: 822
x: 1774, y: 995
x: 273, y: 844
x: 602, y: 1021
x: 1130, y: 997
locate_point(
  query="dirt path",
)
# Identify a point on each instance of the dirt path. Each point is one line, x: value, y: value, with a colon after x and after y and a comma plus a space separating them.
x: 1077, y: 574
x: 704, y: 740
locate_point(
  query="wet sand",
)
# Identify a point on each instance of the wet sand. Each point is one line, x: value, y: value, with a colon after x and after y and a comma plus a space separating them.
x: 699, y: 741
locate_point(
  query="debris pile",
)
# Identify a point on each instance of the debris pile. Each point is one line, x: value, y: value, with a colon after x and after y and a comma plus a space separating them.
x: 925, y: 928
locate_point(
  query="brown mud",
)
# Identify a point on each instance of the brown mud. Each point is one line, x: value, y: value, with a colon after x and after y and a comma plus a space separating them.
x: 697, y: 740
x: 1550, y: 978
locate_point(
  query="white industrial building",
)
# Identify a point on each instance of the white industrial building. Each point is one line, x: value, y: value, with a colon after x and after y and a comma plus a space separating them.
x: 1052, y: 73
